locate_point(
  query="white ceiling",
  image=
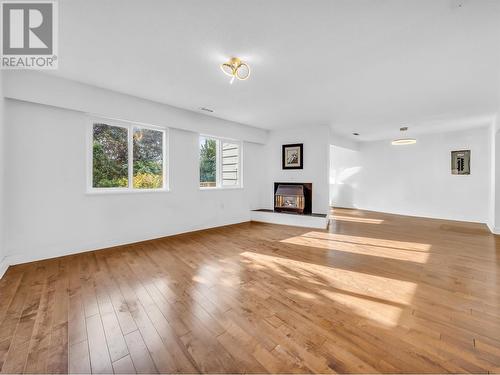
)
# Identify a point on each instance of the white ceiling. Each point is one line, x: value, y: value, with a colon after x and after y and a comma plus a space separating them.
x: 368, y: 66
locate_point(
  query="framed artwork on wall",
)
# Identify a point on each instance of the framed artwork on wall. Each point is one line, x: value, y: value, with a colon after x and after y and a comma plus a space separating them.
x: 460, y: 162
x: 292, y: 156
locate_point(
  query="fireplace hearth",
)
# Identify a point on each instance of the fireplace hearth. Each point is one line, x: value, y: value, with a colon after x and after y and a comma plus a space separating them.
x: 293, y: 197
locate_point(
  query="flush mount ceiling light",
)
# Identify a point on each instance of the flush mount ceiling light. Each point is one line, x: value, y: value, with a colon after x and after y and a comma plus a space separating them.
x: 403, y: 141
x: 235, y: 68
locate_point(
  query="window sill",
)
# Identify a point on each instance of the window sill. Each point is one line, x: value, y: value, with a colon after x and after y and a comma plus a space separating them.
x: 222, y: 188
x: 105, y: 191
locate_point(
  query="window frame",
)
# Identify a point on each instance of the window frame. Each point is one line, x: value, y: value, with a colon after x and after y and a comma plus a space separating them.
x: 218, y: 163
x: 129, y: 125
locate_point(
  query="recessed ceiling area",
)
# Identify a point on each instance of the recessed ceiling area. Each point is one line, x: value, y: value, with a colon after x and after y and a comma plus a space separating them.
x: 357, y: 66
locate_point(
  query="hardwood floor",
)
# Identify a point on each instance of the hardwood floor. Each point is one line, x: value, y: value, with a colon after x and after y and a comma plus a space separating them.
x: 374, y: 293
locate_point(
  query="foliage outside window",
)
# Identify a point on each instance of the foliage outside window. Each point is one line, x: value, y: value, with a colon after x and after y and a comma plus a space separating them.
x: 208, y: 160
x: 148, y: 158
x: 110, y: 156
x: 127, y: 157
x: 220, y: 163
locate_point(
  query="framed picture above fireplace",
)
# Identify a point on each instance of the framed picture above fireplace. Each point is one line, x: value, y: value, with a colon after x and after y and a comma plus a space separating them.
x: 292, y: 156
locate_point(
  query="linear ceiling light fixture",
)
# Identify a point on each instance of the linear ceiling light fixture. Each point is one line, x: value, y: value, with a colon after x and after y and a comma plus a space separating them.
x: 404, y: 141
x: 236, y: 68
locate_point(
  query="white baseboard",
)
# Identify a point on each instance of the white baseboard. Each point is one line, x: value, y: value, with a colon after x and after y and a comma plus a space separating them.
x: 3, y: 266
x: 493, y: 229
x: 422, y: 215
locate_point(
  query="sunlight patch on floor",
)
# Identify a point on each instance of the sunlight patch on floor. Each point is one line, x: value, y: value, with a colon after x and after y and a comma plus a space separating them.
x: 213, y: 274
x: 300, y: 293
x: 404, y: 245
x: 383, y: 313
x: 378, y: 298
x: 207, y: 274
x: 363, y: 220
x: 199, y: 279
x: 368, y: 248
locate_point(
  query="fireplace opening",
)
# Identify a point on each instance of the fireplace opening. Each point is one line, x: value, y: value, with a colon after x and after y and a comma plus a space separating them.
x: 292, y: 197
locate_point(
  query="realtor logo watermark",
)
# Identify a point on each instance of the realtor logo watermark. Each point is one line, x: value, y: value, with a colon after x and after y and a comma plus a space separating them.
x: 29, y: 35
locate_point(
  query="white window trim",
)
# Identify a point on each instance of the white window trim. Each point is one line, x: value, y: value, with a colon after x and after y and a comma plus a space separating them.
x: 129, y: 126
x: 218, y: 177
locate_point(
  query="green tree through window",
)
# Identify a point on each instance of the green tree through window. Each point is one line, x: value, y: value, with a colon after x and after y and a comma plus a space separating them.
x: 110, y: 156
x: 208, y: 162
x: 148, y: 159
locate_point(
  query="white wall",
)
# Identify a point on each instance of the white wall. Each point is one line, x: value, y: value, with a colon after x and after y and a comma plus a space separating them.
x: 416, y: 179
x: 492, y: 211
x: 344, y: 167
x: 3, y: 265
x: 341, y: 141
x: 49, y: 213
x: 495, y: 185
x: 316, y: 163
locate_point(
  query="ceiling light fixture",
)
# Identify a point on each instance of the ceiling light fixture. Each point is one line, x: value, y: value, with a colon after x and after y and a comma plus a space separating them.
x: 235, y: 68
x: 404, y: 141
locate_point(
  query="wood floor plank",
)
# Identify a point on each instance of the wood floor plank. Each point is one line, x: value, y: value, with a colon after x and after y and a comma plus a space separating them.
x: 88, y: 288
x: 121, y: 309
x: 15, y: 360
x: 79, y: 358
x: 40, y: 340
x: 114, y: 335
x: 57, y: 359
x: 77, y: 330
x: 9, y: 286
x: 124, y: 366
x: 99, y: 355
x: 13, y: 314
x: 141, y: 358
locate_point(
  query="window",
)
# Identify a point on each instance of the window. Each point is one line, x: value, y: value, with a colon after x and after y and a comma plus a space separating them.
x: 220, y: 163
x: 126, y: 157
x: 208, y: 162
x: 148, y: 158
x: 110, y: 156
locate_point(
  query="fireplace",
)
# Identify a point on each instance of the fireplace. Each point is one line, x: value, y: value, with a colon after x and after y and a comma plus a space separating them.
x: 292, y: 197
